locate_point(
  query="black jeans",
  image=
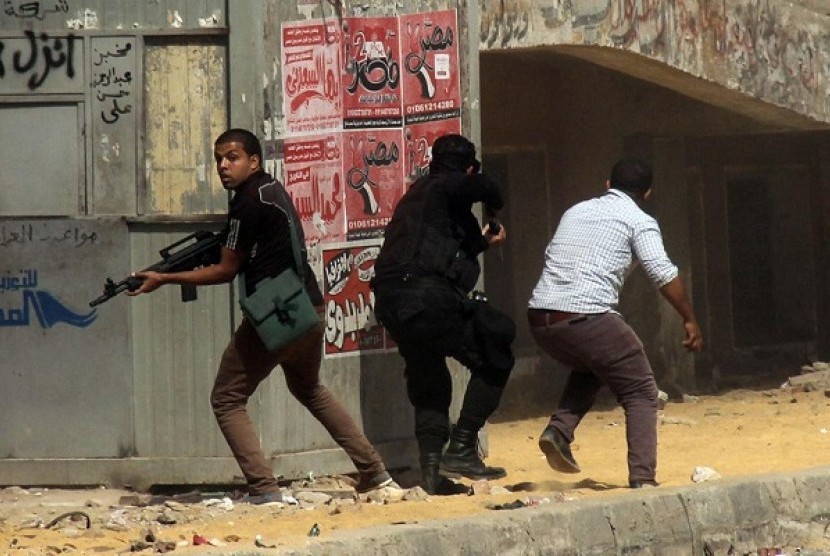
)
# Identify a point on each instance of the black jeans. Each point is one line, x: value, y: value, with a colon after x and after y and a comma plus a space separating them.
x: 430, y: 322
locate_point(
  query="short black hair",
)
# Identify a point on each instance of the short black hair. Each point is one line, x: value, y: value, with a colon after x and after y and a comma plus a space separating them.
x: 452, y: 152
x: 631, y: 175
x: 245, y: 138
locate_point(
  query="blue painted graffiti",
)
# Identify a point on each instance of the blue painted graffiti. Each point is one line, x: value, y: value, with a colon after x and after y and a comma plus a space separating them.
x: 46, y: 307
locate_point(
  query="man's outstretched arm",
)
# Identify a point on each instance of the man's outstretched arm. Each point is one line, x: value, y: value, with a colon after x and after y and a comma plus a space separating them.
x: 675, y: 293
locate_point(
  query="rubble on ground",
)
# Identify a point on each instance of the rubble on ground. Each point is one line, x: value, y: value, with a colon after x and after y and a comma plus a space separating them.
x: 144, y: 518
x: 813, y: 377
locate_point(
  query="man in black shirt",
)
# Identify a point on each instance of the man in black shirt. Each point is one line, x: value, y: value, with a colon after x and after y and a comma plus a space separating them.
x: 426, y: 268
x: 257, y: 241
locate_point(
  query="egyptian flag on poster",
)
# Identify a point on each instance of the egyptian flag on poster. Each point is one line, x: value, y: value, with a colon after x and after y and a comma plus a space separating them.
x: 373, y: 170
x: 351, y: 326
x: 371, y: 74
x: 431, y: 76
x: 314, y: 181
x: 312, y: 99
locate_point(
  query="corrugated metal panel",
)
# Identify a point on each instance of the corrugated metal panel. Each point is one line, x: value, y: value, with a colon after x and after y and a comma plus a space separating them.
x: 185, y: 108
x: 113, y: 14
x: 177, y: 347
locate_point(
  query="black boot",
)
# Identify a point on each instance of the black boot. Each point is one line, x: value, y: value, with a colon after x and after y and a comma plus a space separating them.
x: 461, y: 457
x: 434, y: 482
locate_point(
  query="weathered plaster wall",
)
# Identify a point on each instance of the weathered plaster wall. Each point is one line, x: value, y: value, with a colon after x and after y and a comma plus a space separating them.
x: 775, y: 51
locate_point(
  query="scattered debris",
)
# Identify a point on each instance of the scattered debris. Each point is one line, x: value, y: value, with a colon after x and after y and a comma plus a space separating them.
x: 509, y: 506
x: 258, y: 542
x: 811, y: 380
x: 72, y: 516
x: 677, y: 421
x: 701, y: 474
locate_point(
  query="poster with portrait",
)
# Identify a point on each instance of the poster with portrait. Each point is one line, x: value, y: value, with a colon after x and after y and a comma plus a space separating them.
x: 417, y: 143
x: 371, y: 73
x: 431, y: 76
x: 373, y: 168
x: 314, y: 180
x: 312, y: 99
x: 350, y: 321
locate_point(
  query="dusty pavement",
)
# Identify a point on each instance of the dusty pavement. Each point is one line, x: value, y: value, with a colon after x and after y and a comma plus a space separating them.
x: 735, y: 433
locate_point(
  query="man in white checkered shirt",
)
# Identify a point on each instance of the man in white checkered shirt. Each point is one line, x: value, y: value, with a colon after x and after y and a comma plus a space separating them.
x: 572, y: 316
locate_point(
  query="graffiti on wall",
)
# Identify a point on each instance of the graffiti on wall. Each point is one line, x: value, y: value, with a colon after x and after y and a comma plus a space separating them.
x: 20, y: 296
x: 32, y: 9
x: 506, y: 21
x: 48, y: 309
x: 760, y: 45
x: 112, y: 80
x: 39, y: 54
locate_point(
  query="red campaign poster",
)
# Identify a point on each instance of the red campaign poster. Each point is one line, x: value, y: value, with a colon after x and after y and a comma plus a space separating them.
x: 314, y: 180
x: 350, y: 303
x: 418, y: 140
x: 373, y: 167
x: 311, y: 84
x: 431, y: 80
x: 371, y: 73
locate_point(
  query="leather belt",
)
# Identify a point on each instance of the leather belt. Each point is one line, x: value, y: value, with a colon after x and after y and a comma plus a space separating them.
x: 547, y: 317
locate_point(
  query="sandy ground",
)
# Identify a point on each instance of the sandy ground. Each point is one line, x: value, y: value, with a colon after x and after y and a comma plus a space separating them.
x: 739, y: 432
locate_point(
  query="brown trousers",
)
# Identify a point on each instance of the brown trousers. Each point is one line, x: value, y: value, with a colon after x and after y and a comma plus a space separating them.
x: 244, y: 365
x: 603, y: 349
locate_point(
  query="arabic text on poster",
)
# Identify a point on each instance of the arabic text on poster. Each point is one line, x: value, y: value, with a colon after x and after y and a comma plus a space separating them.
x: 314, y: 181
x: 431, y: 81
x: 311, y: 83
x: 350, y: 321
x: 371, y: 73
x: 373, y: 167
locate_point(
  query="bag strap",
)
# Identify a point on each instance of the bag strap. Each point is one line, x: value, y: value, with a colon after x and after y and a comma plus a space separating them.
x: 297, y: 247
x: 292, y: 226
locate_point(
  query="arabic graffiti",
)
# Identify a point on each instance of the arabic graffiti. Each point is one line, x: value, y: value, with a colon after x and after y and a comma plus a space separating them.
x: 112, y: 79
x: 27, y: 234
x: 28, y: 9
x: 47, y: 308
x: 42, y: 55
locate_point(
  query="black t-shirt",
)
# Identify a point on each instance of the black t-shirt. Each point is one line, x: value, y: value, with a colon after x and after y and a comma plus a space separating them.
x: 258, y: 226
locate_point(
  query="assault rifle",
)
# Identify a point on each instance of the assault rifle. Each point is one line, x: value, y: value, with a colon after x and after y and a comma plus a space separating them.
x: 200, y: 248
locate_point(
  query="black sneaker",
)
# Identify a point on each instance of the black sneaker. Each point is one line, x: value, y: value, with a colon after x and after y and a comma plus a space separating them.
x: 642, y: 483
x: 557, y: 451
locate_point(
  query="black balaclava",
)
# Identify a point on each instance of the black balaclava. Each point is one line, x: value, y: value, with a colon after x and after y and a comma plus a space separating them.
x: 453, y: 153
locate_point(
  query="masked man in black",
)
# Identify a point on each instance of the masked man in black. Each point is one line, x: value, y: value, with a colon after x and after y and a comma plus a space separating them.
x: 424, y: 274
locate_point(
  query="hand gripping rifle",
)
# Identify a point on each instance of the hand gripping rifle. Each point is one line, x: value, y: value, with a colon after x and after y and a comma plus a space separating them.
x: 200, y: 248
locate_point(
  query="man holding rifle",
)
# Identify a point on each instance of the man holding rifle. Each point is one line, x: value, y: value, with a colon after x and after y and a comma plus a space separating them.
x: 257, y: 241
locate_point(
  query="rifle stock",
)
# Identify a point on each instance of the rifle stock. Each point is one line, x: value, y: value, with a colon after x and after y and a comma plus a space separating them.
x: 202, y: 248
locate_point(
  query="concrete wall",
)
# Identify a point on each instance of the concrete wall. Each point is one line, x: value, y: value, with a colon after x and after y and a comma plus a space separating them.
x: 778, y: 52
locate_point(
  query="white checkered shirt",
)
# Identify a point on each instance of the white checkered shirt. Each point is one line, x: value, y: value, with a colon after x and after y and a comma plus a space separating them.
x: 594, y: 248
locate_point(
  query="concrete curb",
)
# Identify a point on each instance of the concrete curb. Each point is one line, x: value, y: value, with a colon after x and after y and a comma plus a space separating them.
x: 747, y: 513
